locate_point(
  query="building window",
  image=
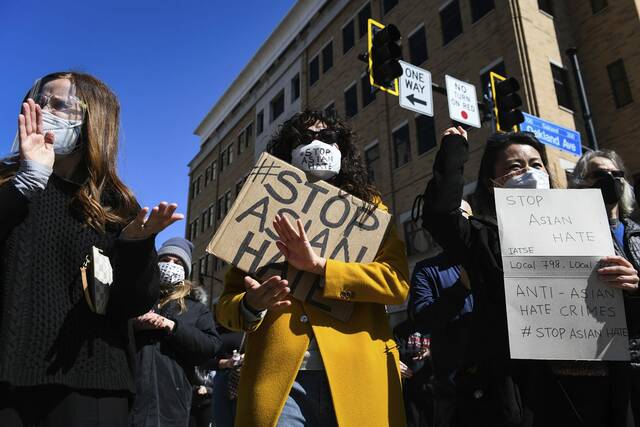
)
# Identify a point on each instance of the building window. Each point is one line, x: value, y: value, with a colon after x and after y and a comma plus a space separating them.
x: 598, y: 5
x: 348, y: 37
x: 546, y: 6
x: 260, y: 122
x: 195, y: 187
x: 220, y: 207
x: 207, y: 175
x: 368, y: 94
x: 227, y: 201
x: 211, y: 218
x: 451, y: 22
x: 214, y: 170
x: 277, y: 106
x: 426, y: 133
x: 387, y: 5
x: 479, y: 8
x: 619, y: 83
x: 195, y: 229
x: 241, y: 143
x: 401, y: 146
x: 239, y: 185
x: 372, y: 159
x: 203, y: 221
x: 193, y: 271
x: 363, y: 18
x: 485, y: 78
x: 248, y: 135
x: 327, y: 57
x: 229, y: 154
x: 295, y: 87
x: 203, y: 266
x: 330, y: 110
x: 418, y: 47
x: 223, y: 158
x: 561, y: 83
x: 351, y: 101
x: 314, y: 70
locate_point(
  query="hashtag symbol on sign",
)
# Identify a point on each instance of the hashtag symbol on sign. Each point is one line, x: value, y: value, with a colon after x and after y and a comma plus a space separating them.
x: 526, y: 331
x: 263, y: 170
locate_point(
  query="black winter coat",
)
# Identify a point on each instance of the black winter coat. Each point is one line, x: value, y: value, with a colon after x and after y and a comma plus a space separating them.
x: 476, y: 244
x: 165, y: 365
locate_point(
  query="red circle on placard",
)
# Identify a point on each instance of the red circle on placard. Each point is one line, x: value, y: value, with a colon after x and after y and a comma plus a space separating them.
x: 464, y: 115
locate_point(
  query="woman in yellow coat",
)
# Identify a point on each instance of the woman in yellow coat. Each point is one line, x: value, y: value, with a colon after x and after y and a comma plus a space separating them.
x: 303, y: 367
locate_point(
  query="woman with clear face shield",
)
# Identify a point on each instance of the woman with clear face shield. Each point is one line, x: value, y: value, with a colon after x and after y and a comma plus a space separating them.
x: 67, y: 223
x: 520, y: 392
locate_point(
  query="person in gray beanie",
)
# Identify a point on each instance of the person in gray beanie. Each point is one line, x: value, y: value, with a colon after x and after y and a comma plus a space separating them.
x: 171, y: 340
x: 177, y: 249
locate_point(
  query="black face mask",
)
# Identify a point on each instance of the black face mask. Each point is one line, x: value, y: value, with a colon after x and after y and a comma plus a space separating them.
x: 612, y: 189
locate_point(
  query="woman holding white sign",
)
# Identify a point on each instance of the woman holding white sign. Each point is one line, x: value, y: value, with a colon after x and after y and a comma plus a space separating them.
x: 302, y: 366
x: 522, y: 392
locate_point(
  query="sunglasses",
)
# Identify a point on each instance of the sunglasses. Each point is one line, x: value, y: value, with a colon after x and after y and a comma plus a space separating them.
x: 601, y: 173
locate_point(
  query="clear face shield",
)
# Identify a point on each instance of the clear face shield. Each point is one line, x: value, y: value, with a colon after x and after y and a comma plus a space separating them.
x: 63, y: 114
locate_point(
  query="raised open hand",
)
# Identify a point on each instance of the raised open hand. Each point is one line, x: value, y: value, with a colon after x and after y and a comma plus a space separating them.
x: 34, y: 145
x: 160, y: 218
x: 456, y: 130
x: 296, y: 248
x: 267, y: 295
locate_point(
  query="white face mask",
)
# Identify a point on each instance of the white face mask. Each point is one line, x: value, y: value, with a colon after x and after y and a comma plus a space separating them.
x: 526, y: 178
x: 318, y: 158
x: 65, y: 132
x: 170, y: 273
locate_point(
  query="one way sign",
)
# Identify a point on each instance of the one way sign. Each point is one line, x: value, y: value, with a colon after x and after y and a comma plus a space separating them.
x: 415, y: 89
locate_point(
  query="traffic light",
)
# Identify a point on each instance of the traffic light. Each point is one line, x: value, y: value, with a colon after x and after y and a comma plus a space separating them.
x: 384, y: 51
x: 506, y: 102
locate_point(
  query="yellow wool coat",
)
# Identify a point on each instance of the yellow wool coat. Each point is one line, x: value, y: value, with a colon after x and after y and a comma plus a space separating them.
x: 359, y: 356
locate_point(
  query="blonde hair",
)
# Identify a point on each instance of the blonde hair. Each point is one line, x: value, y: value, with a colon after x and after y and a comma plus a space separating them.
x: 99, y: 137
x: 177, y: 293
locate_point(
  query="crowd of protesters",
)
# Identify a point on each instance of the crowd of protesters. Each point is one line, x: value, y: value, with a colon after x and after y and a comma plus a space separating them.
x: 149, y: 353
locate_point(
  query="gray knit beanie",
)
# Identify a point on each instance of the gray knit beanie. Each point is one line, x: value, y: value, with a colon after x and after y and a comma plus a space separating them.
x: 179, y: 247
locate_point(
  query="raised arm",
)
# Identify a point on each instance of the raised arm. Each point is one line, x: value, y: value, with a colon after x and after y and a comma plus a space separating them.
x: 441, y: 216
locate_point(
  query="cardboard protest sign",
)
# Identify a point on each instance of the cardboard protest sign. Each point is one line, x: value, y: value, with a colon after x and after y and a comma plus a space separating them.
x: 339, y: 226
x: 557, y: 308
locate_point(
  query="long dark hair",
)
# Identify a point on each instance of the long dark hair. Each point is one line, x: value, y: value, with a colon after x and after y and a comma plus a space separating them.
x: 353, y: 174
x: 483, y: 200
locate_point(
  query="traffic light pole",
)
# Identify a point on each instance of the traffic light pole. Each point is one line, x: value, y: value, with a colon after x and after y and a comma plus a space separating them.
x: 483, y: 106
x: 572, y: 53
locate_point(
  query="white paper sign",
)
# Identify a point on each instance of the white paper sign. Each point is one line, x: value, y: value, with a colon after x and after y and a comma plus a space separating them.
x: 416, y: 93
x: 557, y: 308
x: 463, y: 103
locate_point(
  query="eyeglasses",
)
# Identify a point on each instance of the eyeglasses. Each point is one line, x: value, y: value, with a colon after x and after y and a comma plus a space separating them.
x: 69, y: 107
x: 601, y: 173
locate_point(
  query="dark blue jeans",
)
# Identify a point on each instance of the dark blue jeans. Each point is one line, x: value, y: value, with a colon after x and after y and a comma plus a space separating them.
x: 309, y: 403
x: 224, y: 409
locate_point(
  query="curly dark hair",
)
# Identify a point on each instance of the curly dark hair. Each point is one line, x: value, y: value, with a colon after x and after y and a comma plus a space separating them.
x: 353, y: 174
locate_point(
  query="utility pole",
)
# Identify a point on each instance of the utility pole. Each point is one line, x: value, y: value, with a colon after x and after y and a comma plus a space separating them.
x: 572, y: 53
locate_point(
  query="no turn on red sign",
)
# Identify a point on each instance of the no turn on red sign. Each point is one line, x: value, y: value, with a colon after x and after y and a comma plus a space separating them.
x: 463, y: 102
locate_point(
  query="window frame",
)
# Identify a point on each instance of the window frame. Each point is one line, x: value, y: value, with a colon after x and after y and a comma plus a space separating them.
x: 404, y: 124
x: 354, y: 86
x: 422, y: 27
x: 448, y: 4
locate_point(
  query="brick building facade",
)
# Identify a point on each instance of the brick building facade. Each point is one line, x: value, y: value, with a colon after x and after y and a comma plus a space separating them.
x: 310, y: 61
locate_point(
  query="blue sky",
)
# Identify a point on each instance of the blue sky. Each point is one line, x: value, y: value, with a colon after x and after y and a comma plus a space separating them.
x: 168, y: 61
